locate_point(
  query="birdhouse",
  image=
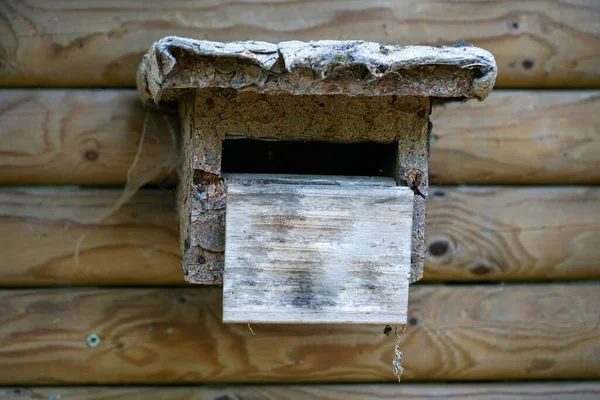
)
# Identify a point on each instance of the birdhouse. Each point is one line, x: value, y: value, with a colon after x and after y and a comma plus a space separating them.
x: 303, y: 181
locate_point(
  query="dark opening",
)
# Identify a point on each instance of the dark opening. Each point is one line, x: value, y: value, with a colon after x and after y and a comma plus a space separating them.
x: 308, y: 158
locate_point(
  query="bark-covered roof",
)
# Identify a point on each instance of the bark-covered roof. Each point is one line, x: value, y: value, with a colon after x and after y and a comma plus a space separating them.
x: 354, y: 68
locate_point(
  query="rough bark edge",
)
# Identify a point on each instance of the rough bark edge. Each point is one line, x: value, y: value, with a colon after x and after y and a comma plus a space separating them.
x: 352, y: 68
x: 419, y: 246
x: 187, y: 107
x: 413, y: 171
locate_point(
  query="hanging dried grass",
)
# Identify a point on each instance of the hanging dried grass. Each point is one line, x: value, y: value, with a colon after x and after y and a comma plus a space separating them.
x: 397, y: 362
x: 157, y: 129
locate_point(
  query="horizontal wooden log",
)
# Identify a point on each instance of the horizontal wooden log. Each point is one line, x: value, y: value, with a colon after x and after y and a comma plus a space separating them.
x: 100, y: 44
x: 87, y: 137
x: 90, y: 137
x: 41, y: 229
x: 406, y: 391
x: 473, y: 234
x: 499, y: 233
x: 141, y: 336
x: 518, y: 137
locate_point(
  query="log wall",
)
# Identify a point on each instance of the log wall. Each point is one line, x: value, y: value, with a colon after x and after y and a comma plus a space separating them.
x: 510, y: 290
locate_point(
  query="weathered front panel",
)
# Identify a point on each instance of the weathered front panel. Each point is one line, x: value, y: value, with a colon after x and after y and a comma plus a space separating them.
x: 317, y: 253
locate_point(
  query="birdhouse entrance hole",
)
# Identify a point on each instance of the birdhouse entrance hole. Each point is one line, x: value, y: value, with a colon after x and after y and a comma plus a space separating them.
x: 309, y: 158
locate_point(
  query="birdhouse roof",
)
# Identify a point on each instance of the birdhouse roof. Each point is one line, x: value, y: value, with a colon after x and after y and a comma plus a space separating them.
x: 354, y: 68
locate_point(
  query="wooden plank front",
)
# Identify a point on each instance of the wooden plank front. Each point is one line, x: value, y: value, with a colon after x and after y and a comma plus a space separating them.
x: 101, y: 43
x: 473, y: 233
x: 406, y: 391
x: 308, y: 253
x: 158, y: 336
x: 90, y: 137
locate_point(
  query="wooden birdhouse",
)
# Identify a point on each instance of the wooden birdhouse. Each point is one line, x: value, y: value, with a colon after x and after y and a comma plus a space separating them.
x: 303, y: 181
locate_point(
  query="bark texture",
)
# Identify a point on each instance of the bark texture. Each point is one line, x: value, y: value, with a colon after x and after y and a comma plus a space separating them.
x: 352, y: 67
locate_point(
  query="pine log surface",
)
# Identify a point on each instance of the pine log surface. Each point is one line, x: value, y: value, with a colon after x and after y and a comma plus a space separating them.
x: 518, y: 137
x: 454, y: 333
x: 536, y: 43
x: 90, y: 137
x: 474, y: 234
x: 71, y: 137
x: 406, y: 391
x: 162, y: 335
x: 137, y: 245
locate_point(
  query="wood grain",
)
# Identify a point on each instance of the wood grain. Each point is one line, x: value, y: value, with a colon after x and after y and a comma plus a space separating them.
x: 41, y: 228
x: 314, y: 253
x: 90, y: 137
x: 530, y: 233
x: 525, y: 137
x: 473, y: 234
x: 406, y: 391
x: 90, y: 43
x: 157, y: 336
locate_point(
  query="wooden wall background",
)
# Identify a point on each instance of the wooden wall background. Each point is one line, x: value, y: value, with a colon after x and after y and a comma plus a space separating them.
x: 511, y: 284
